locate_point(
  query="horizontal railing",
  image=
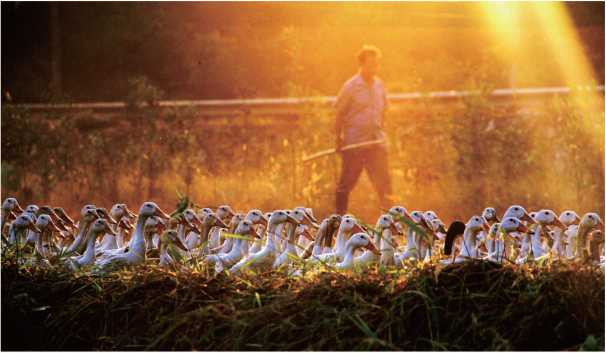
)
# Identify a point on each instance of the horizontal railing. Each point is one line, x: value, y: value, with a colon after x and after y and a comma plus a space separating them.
x: 394, y: 98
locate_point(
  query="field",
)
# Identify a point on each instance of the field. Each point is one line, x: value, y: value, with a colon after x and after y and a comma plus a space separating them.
x: 474, y: 305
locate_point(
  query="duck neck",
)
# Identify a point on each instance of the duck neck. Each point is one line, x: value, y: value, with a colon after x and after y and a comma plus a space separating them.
x: 79, y: 241
x: 410, y: 239
x: 581, y: 250
x: 89, y: 253
x: 386, y: 241
x: 349, y: 255
x: 271, y: 234
x: 340, y: 241
x: 469, y: 243
x: 137, y: 244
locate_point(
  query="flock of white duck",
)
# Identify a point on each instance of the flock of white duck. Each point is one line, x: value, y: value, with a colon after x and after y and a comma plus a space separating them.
x: 291, y: 240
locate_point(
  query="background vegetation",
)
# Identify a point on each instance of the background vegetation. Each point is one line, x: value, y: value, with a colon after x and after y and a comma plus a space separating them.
x: 455, y: 156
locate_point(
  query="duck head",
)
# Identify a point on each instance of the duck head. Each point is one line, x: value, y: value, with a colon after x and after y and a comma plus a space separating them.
x: 120, y: 210
x: 224, y: 212
x: 592, y: 220
x: 400, y: 213
x: 45, y: 221
x: 245, y: 227
x: 386, y: 222
x: 518, y: 212
x: 149, y: 209
x: 257, y: 217
x: 60, y: 212
x: 170, y: 237
x: 101, y: 226
x: 430, y: 215
x: 301, y: 217
x: 548, y: 218
x: 33, y: 209
x: 204, y: 211
x: 102, y: 212
x: 437, y: 226
x: 476, y: 224
x: 25, y: 221
x: 512, y: 224
x: 11, y: 204
x: 309, y: 213
x: 212, y: 220
x: 349, y: 225
x: 490, y: 215
x: 281, y: 216
x: 362, y: 240
x: 569, y: 217
x: 235, y: 220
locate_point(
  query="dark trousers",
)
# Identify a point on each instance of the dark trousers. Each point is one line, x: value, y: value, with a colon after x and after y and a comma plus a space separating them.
x: 374, y: 160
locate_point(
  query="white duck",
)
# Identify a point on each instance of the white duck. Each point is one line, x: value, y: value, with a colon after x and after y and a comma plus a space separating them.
x: 116, y: 213
x: 95, y: 230
x: 167, y: 239
x: 19, y: 227
x: 290, y: 251
x: 589, y: 222
x: 198, y: 243
x: 245, y: 232
x: 87, y: 215
x: 136, y: 251
x: 231, y: 228
x: 356, y: 241
x: 224, y: 213
x: 327, y: 227
x: 266, y: 256
x: 257, y: 244
x: 45, y: 247
x: 502, y: 231
x: 543, y: 218
x: 469, y: 248
x: 384, y: 228
x: 10, y: 205
x: 490, y: 215
x: 348, y: 226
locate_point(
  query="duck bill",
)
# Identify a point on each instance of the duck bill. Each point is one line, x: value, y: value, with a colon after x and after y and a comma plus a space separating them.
x: 54, y: 227
x: 290, y: 219
x: 441, y: 229
x: 263, y: 220
x: 394, y: 229
x: 220, y: 223
x: 125, y: 224
x: 559, y: 224
x: 357, y: 229
x: 526, y: 217
x: 33, y: 228
x: 522, y: 228
x: 373, y: 248
x: 577, y: 219
x: 311, y: 216
x: 161, y: 213
x: 306, y: 220
x: 308, y: 235
x: 129, y: 212
x: 18, y: 208
x: 180, y: 244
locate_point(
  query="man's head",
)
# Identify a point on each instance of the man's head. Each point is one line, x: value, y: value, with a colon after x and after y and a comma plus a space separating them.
x: 368, y: 60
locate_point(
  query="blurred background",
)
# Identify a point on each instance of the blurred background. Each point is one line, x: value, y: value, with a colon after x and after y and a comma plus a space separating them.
x: 453, y: 155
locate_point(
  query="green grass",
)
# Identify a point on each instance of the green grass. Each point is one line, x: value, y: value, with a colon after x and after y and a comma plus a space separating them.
x: 474, y: 305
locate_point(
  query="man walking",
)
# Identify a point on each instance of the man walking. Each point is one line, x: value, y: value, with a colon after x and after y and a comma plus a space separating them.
x: 360, y: 108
